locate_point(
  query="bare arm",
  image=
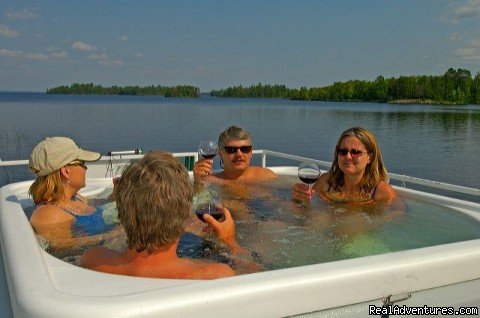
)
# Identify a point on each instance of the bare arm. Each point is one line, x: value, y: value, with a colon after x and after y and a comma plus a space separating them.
x: 386, y: 194
x: 225, y: 231
x: 302, y: 193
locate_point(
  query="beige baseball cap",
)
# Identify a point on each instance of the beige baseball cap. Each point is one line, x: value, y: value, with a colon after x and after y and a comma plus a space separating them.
x: 53, y: 153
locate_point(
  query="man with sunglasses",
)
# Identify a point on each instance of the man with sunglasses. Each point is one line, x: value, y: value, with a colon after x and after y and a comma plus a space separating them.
x: 235, y: 151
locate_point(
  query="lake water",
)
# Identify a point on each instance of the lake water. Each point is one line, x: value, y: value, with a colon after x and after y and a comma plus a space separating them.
x: 432, y: 142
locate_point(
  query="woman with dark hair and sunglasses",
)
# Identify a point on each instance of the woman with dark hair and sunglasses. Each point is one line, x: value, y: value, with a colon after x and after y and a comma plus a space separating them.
x: 357, y: 174
x: 61, y: 215
x: 235, y: 151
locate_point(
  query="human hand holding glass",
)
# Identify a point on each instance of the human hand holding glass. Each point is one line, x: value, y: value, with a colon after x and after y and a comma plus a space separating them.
x: 309, y: 173
x: 207, y: 150
x: 211, y: 207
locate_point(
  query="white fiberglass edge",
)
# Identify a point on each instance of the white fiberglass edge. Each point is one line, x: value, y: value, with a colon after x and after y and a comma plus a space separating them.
x: 43, y: 286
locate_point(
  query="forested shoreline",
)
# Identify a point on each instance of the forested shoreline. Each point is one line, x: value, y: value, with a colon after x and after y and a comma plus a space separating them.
x: 184, y: 91
x: 455, y: 87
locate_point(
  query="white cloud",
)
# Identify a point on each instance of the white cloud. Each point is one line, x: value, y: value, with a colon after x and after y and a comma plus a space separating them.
x: 475, y: 42
x: 9, y: 53
x: 83, y: 46
x: 32, y: 55
x: 149, y: 71
x: 105, y: 60
x: 139, y: 55
x: 26, y: 55
x: 8, y: 32
x: 470, y: 9
x: 102, y: 56
x: 123, y: 38
x: 111, y: 62
x: 60, y: 55
x: 24, y: 14
x: 36, y: 56
x: 468, y: 53
x: 455, y: 37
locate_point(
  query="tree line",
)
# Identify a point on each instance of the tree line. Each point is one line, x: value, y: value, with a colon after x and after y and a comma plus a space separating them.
x: 453, y: 87
x: 91, y: 89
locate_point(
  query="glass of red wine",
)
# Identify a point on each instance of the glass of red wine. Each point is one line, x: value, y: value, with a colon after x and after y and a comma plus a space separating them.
x: 208, y: 149
x: 309, y: 173
x: 212, y: 207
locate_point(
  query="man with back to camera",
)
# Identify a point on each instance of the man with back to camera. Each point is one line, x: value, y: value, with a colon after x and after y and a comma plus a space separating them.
x: 154, y: 198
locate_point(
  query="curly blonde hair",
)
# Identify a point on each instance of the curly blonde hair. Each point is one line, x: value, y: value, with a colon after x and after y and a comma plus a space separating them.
x: 375, y: 171
x: 154, y: 198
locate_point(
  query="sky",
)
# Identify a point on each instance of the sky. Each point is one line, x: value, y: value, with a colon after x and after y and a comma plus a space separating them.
x: 216, y: 44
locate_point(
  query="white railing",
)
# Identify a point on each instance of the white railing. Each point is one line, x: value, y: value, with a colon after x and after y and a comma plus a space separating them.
x: 403, y: 179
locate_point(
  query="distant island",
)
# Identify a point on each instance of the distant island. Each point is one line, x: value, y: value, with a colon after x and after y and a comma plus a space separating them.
x: 183, y: 91
x: 455, y: 87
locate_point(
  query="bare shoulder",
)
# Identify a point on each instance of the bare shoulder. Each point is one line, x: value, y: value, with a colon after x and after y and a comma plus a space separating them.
x: 214, y: 270
x: 97, y: 256
x: 200, y: 269
x: 262, y: 173
x: 49, y: 214
x: 385, y: 193
x: 321, y: 184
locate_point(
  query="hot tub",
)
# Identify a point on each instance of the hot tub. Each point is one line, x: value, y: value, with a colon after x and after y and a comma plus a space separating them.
x: 40, y: 285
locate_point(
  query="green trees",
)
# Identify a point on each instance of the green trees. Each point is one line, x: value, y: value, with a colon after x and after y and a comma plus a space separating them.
x: 184, y: 91
x: 254, y: 91
x: 453, y: 87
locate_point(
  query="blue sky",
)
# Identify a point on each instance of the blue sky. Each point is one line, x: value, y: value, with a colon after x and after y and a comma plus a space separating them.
x: 216, y: 44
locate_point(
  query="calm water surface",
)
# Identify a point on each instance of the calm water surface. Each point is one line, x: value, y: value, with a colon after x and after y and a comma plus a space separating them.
x: 433, y: 142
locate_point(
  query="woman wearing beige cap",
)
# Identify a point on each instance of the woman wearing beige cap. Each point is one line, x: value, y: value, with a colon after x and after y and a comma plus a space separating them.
x: 61, y: 215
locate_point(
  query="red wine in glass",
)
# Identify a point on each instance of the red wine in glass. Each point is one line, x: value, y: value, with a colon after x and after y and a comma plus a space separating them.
x: 208, y: 208
x: 309, y: 173
x: 208, y: 155
x: 309, y: 179
x: 208, y: 149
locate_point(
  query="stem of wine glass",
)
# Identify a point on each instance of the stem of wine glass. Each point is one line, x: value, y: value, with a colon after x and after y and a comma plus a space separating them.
x: 206, y: 183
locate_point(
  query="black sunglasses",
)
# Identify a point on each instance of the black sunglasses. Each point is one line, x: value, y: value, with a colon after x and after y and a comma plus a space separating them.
x: 231, y: 150
x: 353, y: 152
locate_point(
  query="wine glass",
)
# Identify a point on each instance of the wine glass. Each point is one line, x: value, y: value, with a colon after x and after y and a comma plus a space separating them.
x: 208, y: 149
x: 309, y: 173
x: 210, y: 206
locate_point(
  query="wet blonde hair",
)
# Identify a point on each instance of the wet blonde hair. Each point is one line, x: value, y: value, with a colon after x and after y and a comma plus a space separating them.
x: 375, y: 171
x: 47, y: 189
x: 154, y: 199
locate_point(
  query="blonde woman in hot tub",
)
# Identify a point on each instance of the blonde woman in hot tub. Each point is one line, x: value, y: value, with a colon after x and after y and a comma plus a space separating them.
x: 61, y: 216
x: 357, y: 175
